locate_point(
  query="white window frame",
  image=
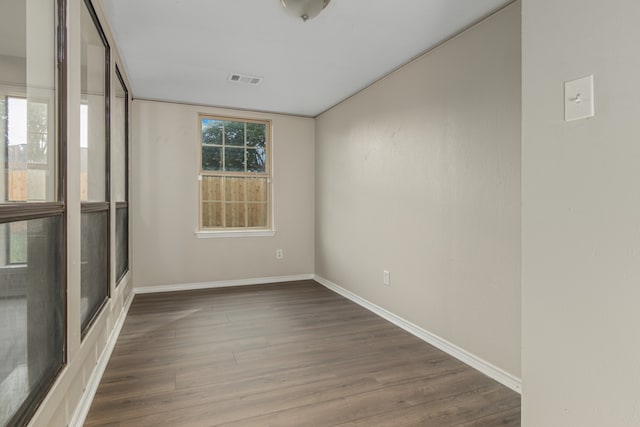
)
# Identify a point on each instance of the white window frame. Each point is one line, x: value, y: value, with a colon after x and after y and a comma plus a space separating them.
x: 223, y: 232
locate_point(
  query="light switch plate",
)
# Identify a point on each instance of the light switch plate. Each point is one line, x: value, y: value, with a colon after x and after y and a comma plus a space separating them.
x: 578, y: 99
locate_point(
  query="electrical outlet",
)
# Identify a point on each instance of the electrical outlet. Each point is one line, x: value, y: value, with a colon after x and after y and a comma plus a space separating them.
x: 386, y: 278
x: 279, y: 254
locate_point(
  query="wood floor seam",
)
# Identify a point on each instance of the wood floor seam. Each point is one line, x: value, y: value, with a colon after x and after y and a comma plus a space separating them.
x: 347, y: 397
x: 454, y: 395
x: 286, y: 354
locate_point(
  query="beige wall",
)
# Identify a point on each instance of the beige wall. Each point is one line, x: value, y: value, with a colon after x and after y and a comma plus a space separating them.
x: 165, y: 201
x: 420, y: 174
x: 581, y: 217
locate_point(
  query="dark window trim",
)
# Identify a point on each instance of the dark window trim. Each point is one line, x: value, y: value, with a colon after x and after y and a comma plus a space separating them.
x: 107, y: 93
x: 26, y: 211
x: 62, y: 119
x: 6, y: 147
x: 96, y: 21
x: 124, y: 204
x: 37, y: 210
x: 126, y: 134
x: 91, y: 207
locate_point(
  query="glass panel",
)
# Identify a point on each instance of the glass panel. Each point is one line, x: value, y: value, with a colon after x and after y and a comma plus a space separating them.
x: 118, y: 141
x: 3, y: 143
x: 17, y: 242
x: 235, y: 214
x: 234, y: 159
x: 31, y: 314
x: 212, y: 131
x: 234, y: 201
x: 32, y: 305
x: 92, y: 112
x: 212, y: 188
x: 28, y: 167
x: 257, y: 215
x: 119, y: 170
x: 122, y: 242
x: 37, y: 132
x: 16, y: 150
x: 234, y: 189
x: 256, y: 189
x: 211, y: 158
x: 211, y: 214
x: 256, y: 159
x: 256, y: 134
x: 94, y: 264
x: 28, y: 94
x: 234, y: 133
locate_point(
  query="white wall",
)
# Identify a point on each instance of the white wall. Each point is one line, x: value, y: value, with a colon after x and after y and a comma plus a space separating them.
x: 13, y: 71
x: 165, y: 201
x: 581, y: 217
x: 420, y: 174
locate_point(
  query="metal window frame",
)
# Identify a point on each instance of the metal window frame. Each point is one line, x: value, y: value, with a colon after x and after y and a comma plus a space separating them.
x: 124, y: 204
x: 22, y: 211
x: 92, y: 207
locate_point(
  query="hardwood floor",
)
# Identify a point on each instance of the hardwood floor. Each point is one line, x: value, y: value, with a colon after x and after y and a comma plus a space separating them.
x: 292, y: 354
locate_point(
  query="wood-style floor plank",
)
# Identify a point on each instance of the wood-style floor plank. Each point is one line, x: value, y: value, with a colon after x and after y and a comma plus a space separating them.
x: 292, y: 354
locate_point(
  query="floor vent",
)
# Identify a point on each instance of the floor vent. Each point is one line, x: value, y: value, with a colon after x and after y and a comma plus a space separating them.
x: 245, y: 79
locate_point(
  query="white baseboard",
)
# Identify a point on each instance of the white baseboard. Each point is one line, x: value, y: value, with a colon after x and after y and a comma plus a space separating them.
x: 470, y: 359
x: 82, y: 410
x: 221, y: 284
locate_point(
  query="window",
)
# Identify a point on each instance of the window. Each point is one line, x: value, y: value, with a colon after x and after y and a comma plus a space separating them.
x: 94, y: 167
x: 32, y: 206
x: 28, y: 162
x: 28, y: 165
x: 235, y: 175
x: 120, y: 142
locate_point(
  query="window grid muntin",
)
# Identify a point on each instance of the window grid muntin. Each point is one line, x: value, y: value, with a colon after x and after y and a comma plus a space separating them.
x: 246, y: 175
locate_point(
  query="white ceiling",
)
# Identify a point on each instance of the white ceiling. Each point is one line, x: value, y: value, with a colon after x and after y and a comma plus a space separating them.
x: 184, y: 50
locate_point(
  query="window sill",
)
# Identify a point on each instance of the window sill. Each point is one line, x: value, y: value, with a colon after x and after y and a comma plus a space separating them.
x: 234, y: 233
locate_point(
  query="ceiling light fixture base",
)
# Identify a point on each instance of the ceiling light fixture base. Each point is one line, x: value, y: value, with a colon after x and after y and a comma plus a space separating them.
x: 305, y: 9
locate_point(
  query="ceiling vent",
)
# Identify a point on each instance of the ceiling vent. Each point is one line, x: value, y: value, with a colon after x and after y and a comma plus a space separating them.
x: 245, y: 79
